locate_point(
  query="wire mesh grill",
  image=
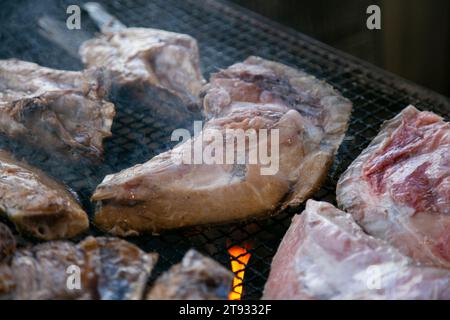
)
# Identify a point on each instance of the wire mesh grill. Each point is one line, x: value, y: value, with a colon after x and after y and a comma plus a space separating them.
x: 226, y: 34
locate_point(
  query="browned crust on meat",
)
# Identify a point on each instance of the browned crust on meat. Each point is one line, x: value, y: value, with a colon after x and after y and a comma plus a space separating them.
x: 38, y: 205
x: 110, y: 269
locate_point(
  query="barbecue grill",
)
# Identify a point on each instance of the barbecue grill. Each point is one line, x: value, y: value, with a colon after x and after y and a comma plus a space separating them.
x: 226, y: 34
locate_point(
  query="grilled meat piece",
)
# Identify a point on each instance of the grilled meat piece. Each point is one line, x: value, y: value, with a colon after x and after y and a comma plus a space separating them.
x: 123, y: 269
x: 165, y: 193
x: 398, y: 189
x: 109, y: 268
x: 146, y: 63
x: 326, y: 255
x: 196, y: 277
x: 58, y: 111
x: 38, y: 205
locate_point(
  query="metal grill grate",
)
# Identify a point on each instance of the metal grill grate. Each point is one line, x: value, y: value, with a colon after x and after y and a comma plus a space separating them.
x: 226, y: 34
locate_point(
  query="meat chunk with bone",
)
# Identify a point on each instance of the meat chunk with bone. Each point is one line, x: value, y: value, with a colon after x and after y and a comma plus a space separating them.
x: 196, y: 277
x: 168, y: 192
x: 326, y: 255
x: 145, y: 63
x: 38, y: 205
x: 398, y: 189
x: 108, y: 269
x: 55, y: 110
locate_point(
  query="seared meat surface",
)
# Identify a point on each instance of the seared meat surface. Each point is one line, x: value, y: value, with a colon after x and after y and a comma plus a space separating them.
x: 109, y: 268
x: 256, y: 95
x: 326, y: 255
x: 38, y: 205
x: 123, y: 268
x: 398, y: 189
x: 196, y: 277
x: 146, y: 63
x: 58, y: 111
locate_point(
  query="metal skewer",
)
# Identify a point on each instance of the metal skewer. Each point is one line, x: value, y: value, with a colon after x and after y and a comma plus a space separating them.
x: 102, y: 18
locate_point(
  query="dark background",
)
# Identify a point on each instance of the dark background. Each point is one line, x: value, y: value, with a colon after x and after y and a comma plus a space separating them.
x: 414, y: 41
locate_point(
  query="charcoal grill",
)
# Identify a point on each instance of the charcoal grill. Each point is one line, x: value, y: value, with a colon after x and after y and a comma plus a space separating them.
x: 226, y: 34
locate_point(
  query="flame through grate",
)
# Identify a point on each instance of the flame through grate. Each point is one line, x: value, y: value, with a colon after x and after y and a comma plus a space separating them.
x: 226, y: 34
x: 239, y: 258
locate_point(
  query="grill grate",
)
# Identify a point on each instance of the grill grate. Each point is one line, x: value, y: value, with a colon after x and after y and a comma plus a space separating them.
x: 226, y: 34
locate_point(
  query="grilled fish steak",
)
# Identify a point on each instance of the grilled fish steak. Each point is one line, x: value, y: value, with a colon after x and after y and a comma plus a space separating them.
x: 38, y: 205
x: 58, y: 111
x: 166, y: 193
x: 110, y: 268
x: 326, y: 255
x: 196, y: 277
x: 398, y: 189
x: 141, y: 60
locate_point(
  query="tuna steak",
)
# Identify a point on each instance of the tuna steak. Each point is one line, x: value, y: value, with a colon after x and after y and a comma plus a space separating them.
x: 398, y: 189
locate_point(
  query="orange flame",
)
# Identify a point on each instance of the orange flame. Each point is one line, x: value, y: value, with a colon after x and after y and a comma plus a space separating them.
x: 239, y: 260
